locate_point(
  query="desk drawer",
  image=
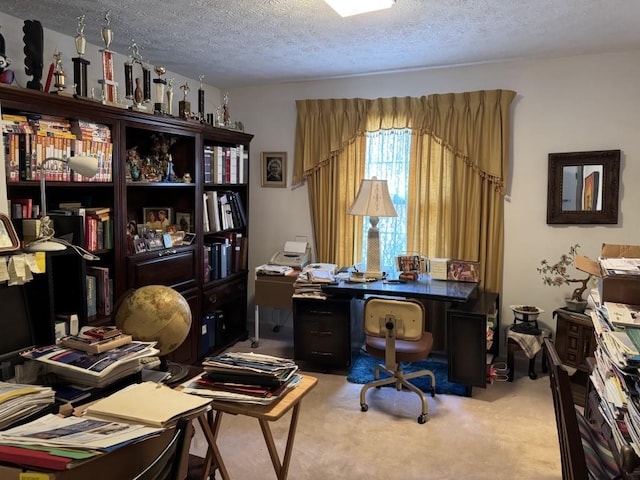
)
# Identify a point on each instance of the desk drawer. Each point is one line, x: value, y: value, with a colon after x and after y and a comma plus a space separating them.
x: 322, y: 332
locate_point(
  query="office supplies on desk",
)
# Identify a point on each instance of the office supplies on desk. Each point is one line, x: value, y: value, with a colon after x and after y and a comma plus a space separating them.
x: 294, y: 254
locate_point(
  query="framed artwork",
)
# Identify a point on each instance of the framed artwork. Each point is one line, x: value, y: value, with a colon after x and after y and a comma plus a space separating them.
x: 184, y: 222
x: 157, y: 218
x: 274, y: 169
x: 8, y: 237
x: 590, y: 191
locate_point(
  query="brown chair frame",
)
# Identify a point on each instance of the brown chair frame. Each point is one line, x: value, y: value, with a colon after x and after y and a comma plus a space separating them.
x: 167, y: 465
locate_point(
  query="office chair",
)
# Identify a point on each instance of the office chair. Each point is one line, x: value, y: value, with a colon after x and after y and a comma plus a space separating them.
x: 394, y: 330
x: 166, y: 466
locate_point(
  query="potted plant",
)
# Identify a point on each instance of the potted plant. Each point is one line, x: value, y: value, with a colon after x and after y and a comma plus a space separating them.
x: 557, y: 274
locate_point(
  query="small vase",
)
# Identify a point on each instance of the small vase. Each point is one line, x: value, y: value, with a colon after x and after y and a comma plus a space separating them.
x: 575, y: 305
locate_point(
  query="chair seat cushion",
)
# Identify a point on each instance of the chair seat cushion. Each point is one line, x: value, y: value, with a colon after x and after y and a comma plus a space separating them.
x: 406, y: 351
x: 601, y: 463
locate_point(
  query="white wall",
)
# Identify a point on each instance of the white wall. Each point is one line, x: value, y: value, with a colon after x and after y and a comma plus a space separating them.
x: 562, y: 105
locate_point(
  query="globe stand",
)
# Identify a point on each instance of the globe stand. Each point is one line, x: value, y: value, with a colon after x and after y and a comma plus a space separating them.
x: 177, y: 371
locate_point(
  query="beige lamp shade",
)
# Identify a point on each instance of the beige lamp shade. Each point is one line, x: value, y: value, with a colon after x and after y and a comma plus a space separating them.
x: 84, y: 165
x: 373, y: 200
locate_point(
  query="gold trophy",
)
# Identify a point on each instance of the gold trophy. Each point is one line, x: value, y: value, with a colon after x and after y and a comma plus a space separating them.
x: 160, y: 82
x: 184, y: 106
x: 59, y: 76
x: 80, y: 64
x: 170, y: 96
x: 109, y: 85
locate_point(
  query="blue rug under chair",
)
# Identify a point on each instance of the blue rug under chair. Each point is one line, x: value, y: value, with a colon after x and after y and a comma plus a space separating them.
x: 361, y: 372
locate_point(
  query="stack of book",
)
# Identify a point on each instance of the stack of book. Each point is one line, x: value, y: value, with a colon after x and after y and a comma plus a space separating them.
x: 244, y: 377
x: 96, y: 339
x: 94, y: 370
x: 311, y: 278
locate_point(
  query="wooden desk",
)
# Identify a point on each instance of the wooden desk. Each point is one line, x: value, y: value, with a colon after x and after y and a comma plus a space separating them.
x: 264, y: 414
x: 463, y: 323
x: 273, y: 291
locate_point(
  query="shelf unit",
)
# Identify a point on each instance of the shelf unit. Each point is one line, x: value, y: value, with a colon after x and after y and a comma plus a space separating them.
x: 183, y: 267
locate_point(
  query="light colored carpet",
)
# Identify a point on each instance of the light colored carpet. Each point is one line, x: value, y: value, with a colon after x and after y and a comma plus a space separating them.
x: 506, y: 431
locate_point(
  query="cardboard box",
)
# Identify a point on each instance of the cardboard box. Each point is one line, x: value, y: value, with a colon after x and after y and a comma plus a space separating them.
x: 616, y: 288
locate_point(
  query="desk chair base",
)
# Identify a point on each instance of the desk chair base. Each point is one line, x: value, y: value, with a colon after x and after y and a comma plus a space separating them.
x: 401, y: 380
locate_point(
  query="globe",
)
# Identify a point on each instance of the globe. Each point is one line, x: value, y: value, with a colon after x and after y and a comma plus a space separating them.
x: 155, y: 313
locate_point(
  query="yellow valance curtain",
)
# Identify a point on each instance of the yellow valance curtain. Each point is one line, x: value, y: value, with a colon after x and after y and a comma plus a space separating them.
x: 459, y: 165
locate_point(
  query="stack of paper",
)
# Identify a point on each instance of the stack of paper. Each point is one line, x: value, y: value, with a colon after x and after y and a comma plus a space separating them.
x: 18, y: 401
x: 244, y: 377
x: 94, y: 370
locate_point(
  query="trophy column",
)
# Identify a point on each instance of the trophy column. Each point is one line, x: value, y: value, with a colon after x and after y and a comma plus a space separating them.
x: 109, y: 85
x: 80, y: 64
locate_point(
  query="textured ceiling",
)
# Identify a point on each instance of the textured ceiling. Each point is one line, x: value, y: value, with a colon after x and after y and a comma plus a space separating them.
x: 252, y: 42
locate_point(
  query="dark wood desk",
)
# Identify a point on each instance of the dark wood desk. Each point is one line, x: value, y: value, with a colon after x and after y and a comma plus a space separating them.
x: 467, y: 313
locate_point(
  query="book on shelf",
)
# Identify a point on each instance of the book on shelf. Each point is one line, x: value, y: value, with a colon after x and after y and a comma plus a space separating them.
x: 103, y: 289
x: 92, y: 301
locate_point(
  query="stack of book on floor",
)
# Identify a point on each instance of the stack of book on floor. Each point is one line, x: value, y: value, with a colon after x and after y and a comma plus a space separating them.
x: 311, y: 278
x: 82, y: 367
x: 244, y: 377
x: 19, y: 401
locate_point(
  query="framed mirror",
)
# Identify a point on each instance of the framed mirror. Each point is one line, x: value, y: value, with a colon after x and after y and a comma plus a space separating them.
x: 583, y: 187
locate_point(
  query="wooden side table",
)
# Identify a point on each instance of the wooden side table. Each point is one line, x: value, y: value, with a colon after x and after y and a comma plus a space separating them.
x: 264, y: 414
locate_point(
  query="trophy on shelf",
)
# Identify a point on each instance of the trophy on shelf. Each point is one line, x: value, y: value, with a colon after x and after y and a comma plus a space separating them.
x: 160, y: 82
x: 226, y: 118
x: 109, y: 85
x: 139, y: 94
x: 184, y: 106
x: 59, y: 76
x: 79, y: 63
x: 201, y: 99
x: 170, y: 96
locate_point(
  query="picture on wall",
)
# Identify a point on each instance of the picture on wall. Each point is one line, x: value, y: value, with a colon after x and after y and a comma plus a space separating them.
x: 590, y: 191
x: 274, y: 169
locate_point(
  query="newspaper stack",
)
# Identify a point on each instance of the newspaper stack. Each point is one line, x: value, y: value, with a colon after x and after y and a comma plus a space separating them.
x: 244, y: 377
x: 93, y: 370
x: 311, y: 278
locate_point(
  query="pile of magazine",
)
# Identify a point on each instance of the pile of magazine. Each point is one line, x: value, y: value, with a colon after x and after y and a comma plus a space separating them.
x: 93, y: 370
x: 244, y: 377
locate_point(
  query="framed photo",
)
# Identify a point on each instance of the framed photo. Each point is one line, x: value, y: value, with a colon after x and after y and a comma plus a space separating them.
x: 188, y: 238
x: 184, y: 222
x: 139, y: 244
x: 157, y: 218
x: 154, y: 241
x: 8, y: 237
x: 274, y: 169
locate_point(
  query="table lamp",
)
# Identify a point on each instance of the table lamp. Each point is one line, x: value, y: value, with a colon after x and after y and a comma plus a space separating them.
x: 83, y: 165
x: 373, y: 200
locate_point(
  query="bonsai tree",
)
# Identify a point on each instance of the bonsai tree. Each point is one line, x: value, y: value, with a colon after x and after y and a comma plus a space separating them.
x: 557, y: 274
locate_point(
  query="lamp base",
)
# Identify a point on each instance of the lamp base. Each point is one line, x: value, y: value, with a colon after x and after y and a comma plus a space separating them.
x: 46, y: 246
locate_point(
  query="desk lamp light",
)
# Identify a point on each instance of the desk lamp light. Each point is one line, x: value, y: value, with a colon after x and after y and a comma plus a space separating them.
x: 83, y: 165
x: 373, y: 200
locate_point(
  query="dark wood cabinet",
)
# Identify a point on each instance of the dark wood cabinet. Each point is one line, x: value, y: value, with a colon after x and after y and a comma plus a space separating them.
x: 322, y: 331
x: 467, y: 346
x: 183, y: 267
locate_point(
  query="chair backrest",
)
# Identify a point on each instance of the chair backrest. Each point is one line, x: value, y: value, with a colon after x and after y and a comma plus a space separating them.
x: 572, y: 456
x: 407, y: 317
x: 166, y: 466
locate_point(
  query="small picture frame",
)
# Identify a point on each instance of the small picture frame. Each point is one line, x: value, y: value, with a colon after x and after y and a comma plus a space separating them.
x: 166, y: 240
x: 139, y: 244
x: 157, y: 218
x: 184, y: 222
x: 274, y: 169
x: 188, y: 238
x: 8, y: 238
x: 153, y: 241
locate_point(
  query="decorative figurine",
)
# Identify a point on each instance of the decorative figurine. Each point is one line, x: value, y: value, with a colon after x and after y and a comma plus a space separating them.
x: 79, y: 63
x: 201, y: 99
x: 184, y: 107
x: 6, y: 75
x: 33, y: 51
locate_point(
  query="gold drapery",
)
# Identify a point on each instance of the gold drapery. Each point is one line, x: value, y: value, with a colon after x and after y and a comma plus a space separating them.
x: 458, y: 169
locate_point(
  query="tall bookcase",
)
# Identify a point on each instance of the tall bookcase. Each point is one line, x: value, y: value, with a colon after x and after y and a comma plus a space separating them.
x: 218, y: 302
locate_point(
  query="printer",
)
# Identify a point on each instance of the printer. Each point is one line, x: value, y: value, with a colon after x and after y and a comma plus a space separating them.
x: 294, y: 254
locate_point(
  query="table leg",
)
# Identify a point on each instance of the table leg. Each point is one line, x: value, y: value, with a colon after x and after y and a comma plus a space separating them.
x: 282, y: 469
x: 256, y: 329
x: 211, y: 434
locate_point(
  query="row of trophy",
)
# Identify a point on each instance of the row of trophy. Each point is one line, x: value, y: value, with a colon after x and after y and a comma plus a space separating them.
x: 137, y: 89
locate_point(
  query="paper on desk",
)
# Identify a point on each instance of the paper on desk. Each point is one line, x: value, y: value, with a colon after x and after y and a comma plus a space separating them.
x: 4, y: 272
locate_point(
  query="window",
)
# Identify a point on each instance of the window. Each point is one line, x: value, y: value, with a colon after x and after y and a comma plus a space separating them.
x: 387, y: 157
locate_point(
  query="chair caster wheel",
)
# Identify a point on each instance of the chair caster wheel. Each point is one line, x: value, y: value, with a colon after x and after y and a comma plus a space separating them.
x: 533, y: 375
x: 276, y: 329
x: 255, y: 344
x: 422, y: 418
x: 433, y: 392
x: 364, y: 407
